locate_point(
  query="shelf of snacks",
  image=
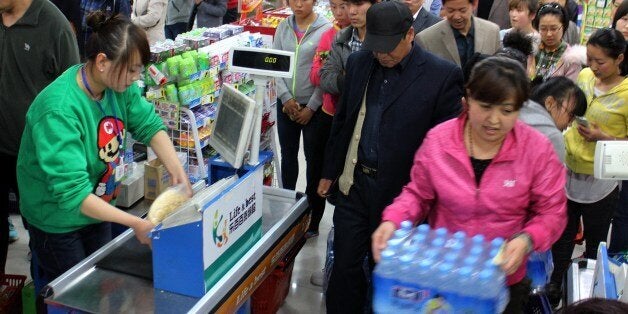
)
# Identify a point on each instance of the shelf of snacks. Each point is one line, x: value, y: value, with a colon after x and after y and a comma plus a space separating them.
x: 184, y: 80
x: 595, y: 15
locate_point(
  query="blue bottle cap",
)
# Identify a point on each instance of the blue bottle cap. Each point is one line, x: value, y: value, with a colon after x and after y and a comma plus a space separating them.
x: 477, y: 239
x: 424, y: 228
x: 441, y: 232
x: 406, y: 225
x: 438, y: 243
x: 451, y: 257
x: 457, y: 246
x: 471, y: 260
x: 387, y: 254
x: 426, y: 263
x: 494, y: 252
x: 445, y: 267
x: 431, y: 253
x: 465, y: 272
x: 406, y: 258
x: 460, y: 235
x: 400, y: 233
x: 497, y: 242
x: 419, y: 238
x: 476, y: 250
x: 487, y: 274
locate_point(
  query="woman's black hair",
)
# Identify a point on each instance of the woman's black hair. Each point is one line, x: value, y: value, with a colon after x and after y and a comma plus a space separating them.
x: 553, y: 9
x: 497, y: 79
x: 596, y: 306
x: 621, y: 11
x: 517, y: 46
x: 118, y: 38
x: 561, y: 88
x: 612, y: 42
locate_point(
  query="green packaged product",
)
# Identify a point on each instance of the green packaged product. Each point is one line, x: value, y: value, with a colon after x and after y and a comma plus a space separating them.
x: 173, y: 67
x: 172, y: 93
x: 187, y: 67
x: 203, y: 61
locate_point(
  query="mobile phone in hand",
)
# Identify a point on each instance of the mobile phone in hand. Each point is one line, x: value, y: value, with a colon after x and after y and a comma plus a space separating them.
x: 582, y: 121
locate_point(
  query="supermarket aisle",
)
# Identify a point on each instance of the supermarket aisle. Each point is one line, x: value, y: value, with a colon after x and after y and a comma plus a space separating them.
x: 17, y: 259
x: 303, y: 296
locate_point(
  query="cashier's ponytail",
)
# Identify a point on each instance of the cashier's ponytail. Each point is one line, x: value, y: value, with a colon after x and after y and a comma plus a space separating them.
x: 116, y: 37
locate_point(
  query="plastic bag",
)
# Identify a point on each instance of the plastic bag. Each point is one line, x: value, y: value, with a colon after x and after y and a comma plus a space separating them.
x: 166, y: 203
x: 540, y: 268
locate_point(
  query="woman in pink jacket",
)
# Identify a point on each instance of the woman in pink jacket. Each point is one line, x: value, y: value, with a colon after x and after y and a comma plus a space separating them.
x: 487, y: 173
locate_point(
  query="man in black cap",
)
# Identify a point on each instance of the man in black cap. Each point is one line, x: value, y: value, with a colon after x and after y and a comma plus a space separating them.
x: 394, y: 93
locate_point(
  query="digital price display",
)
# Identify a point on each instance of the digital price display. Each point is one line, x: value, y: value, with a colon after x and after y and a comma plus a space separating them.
x: 260, y: 61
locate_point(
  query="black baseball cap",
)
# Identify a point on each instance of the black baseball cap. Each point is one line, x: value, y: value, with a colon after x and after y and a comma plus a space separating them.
x: 386, y: 24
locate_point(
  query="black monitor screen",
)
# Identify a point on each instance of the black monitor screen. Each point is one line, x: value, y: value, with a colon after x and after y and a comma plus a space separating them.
x: 231, y: 118
x: 261, y: 61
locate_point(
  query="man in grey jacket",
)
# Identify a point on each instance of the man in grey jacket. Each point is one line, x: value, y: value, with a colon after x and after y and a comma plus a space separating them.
x: 177, y: 16
x: 347, y: 41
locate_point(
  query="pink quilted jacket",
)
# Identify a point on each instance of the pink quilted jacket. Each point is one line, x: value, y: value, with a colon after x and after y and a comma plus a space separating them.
x: 522, y: 190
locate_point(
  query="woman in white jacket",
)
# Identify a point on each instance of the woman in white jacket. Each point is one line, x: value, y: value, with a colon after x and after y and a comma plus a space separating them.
x: 150, y: 15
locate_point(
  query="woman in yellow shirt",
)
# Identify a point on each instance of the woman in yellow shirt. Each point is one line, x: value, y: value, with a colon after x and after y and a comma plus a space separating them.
x: 606, y: 88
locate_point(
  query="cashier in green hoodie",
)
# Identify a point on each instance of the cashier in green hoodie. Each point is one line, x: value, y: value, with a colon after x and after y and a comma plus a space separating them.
x: 68, y: 163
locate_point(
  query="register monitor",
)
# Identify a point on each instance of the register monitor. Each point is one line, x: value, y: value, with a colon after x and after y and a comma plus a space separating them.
x: 611, y: 160
x: 231, y: 131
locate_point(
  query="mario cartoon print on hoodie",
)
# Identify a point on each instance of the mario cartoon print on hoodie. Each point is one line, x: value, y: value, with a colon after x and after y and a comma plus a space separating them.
x: 110, y: 138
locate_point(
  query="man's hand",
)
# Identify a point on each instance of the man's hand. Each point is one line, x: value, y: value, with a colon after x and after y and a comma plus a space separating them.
x: 303, y: 117
x: 380, y: 237
x: 291, y: 108
x: 514, y: 254
x: 323, y: 187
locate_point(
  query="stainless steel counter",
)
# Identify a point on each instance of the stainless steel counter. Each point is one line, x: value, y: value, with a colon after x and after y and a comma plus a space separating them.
x: 90, y: 289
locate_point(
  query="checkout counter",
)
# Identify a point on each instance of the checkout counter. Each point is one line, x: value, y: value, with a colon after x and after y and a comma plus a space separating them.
x: 91, y: 288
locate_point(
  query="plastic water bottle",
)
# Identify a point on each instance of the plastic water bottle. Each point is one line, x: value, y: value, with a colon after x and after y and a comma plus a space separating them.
x: 465, y: 301
x: 405, y: 292
x: 446, y: 285
x: 426, y: 279
x: 490, y: 290
x: 457, y: 241
x: 383, y: 282
x: 402, y: 233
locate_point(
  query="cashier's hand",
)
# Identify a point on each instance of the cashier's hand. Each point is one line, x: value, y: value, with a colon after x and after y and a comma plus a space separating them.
x: 303, y: 117
x: 514, y: 254
x: 142, y: 227
x: 380, y: 237
x: 182, y: 178
x: 323, y: 187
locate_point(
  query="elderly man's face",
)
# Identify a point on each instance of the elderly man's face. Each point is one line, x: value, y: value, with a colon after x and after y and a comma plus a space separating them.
x: 7, y: 5
x: 391, y: 59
